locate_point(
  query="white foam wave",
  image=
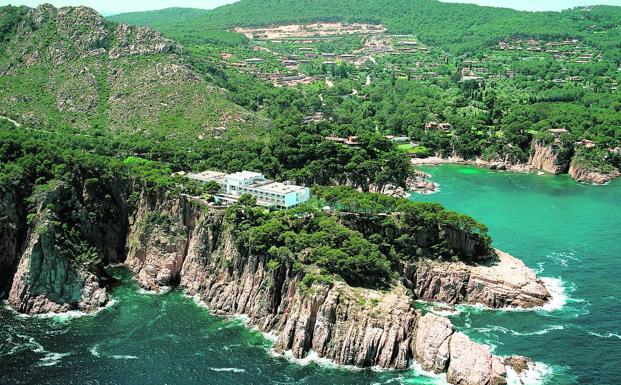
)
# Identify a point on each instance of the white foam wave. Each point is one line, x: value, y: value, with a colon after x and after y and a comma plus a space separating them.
x: 439, y: 379
x: 540, y: 268
x: 52, y: 358
x: 556, y: 288
x: 30, y: 343
x: 60, y: 317
x: 500, y: 329
x: 123, y: 357
x: 607, y: 335
x: 95, y: 350
x: 313, y: 357
x: 234, y: 370
x: 197, y: 300
x: 96, y: 353
x: 565, y: 258
x: 536, y: 374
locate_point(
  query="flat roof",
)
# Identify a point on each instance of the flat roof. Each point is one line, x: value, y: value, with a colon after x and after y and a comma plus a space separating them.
x: 207, y: 176
x: 244, y: 175
x: 277, y: 187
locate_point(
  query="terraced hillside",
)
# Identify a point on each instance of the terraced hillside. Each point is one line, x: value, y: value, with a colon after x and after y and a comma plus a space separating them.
x: 458, y: 28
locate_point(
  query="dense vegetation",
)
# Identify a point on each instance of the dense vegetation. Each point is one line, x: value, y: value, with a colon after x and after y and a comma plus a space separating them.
x: 457, y: 27
x: 44, y: 182
x: 93, y: 120
x: 353, y: 243
x: 499, y: 118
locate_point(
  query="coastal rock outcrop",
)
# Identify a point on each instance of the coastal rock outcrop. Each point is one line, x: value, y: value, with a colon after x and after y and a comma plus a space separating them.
x: 46, y: 280
x: 348, y: 325
x: 472, y: 363
x: 585, y: 175
x: 175, y: 240
x: 501, y: 282
x: 58, y: 251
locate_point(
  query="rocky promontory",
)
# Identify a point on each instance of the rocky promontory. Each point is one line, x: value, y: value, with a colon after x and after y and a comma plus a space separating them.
x: 348, y: 325
x: 501, y: 282
x: 583, y: 174
x: 174, y: 240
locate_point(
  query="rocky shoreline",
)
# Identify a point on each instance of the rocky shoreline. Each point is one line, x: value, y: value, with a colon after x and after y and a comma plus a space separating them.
x: 418, y: 183
x: 584, y: 175
x: 196, y: 250
x: 540, y: 162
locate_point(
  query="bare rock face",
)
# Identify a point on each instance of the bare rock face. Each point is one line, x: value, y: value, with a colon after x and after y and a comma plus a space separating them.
x: 503, y: 282
x: 135, y: 40
x: 549, y: 158
x: 473, y: 364
x: 584, y: 175
x: 81, y: 32
x: 158, y: 241
x: 431, y: 346
x: 46, y: 280
x: 55, y: 255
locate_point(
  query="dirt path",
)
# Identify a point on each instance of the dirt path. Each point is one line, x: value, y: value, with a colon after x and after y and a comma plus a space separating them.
x: 16, y: 124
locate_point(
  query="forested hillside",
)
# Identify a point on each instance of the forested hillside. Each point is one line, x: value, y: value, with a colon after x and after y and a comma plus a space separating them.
x: 501, y: 78
x: 455, y: 27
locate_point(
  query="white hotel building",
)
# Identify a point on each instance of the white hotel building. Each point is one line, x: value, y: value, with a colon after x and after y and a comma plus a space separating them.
x: 267, y: 192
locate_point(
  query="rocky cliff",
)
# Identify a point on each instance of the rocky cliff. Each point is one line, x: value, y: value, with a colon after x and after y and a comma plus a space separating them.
x: 501, y: 282
x: 583, y: 174
x: 57, y: 253
x: 352, y: 326
x: 173, y: 240
x: 549, y: 158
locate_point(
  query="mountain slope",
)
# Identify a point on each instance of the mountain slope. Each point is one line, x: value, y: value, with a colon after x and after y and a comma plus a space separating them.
x: 69, y: 67
x: 456, y: 27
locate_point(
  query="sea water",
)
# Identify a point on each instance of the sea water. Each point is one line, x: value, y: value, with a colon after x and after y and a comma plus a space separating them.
x: 568, y: 233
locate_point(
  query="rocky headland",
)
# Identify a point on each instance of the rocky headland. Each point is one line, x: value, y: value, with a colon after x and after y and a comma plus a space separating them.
x: 171, y: 240
x: 584, y: 174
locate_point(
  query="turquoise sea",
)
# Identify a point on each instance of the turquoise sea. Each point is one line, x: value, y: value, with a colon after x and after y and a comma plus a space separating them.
x: 568, y: 232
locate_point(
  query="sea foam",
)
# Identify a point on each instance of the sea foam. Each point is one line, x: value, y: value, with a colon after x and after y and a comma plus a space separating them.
x: 234, y: 370
x: 537, y: 374
x: 556, y: 288
x: 503, y: 330
x: 607, y: 335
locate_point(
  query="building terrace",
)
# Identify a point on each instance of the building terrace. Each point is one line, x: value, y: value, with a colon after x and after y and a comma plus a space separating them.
x: 267, y: 192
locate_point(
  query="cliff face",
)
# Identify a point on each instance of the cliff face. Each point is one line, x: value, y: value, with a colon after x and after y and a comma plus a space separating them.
x: 585, y: 175
x: 351, y: 326
x: 46, y: 280
x: 173, y: 240
x: 501, y: 282
x: 74, y: 231
x: 549, y: 158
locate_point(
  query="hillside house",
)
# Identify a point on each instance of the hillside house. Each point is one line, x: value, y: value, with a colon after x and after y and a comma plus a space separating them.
x: 438, y: 126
